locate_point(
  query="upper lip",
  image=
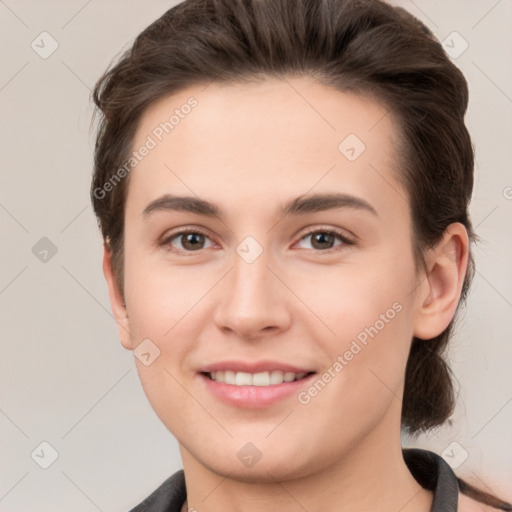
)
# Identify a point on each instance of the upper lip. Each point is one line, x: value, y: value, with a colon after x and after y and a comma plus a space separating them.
x: 253, y: 367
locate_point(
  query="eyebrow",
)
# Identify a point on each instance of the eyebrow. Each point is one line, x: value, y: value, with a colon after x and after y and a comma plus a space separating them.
x: 323, y: 202
x: 300, y: 205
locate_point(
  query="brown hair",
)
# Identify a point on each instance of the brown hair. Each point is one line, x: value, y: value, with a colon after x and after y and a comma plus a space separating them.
x: 361, y: 46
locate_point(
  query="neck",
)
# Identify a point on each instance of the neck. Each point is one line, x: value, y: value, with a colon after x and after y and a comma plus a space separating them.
x: 372, y: 476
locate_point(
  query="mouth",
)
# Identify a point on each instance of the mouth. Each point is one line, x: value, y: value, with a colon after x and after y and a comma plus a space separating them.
x: 254, y: 385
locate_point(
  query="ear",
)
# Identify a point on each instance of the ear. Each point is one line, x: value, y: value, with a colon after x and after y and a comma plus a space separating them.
x: 116, y: 300
x: 440, y: 292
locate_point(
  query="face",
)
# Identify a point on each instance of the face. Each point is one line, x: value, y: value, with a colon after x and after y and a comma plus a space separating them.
x: 268, y: 265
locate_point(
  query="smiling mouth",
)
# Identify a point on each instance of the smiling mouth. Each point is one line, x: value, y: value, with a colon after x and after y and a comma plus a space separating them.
x: 269, y: 378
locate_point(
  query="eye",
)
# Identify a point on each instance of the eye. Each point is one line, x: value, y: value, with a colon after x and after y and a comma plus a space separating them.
x: 188, y: 241
x: 323, y: 240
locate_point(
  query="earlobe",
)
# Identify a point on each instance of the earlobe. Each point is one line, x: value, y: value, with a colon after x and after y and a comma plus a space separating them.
x: 446, y: 267
x: 116, y: 300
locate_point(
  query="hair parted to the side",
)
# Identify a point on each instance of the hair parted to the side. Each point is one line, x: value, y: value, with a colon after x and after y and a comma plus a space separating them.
x: 366, y: 47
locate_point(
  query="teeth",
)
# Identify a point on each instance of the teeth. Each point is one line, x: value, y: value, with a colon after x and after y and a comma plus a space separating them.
x: 243, y: 379
x: 255, y: 379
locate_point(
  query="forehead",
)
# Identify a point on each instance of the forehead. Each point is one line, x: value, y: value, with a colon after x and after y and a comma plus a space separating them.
x: 263, y: 139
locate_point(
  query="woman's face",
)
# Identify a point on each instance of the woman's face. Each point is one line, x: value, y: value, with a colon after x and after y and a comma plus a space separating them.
x: 301, y: 267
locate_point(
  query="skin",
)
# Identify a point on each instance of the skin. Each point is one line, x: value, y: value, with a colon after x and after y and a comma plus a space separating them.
x: 249, y: 148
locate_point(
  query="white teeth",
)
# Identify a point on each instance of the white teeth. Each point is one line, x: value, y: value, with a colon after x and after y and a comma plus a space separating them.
x: 261, y: 379
x: 243, y: 379
x: 255, y: 379
x: 289, y: 376
x: 276, y: 377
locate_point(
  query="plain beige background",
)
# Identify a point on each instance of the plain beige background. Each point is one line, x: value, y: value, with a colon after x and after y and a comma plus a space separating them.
x: 65, y: 379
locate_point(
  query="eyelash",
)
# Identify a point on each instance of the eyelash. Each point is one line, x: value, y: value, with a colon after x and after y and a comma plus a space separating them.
x: 345, y: 241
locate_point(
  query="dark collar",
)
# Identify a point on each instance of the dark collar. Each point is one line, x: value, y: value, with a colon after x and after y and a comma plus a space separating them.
x: 433, y: 473
x: 430, y: 471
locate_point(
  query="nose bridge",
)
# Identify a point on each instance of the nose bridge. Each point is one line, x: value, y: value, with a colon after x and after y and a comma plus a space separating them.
x: 251, y: 291
x: 251, y: 301
x: 250, y: 278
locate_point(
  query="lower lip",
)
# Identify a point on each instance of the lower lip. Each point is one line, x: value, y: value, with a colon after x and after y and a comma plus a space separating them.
x: 254, y: 397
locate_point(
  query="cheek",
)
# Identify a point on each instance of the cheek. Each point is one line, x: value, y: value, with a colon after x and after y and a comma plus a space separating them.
x: 167, y: 306
x: 357, y: 299
x: 369, y: 312
x: 158, y: 297
x: 363, y: 381
x: 162, y: 307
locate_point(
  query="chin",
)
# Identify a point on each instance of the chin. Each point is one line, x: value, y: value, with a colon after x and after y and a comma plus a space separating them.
x: 262, y: 472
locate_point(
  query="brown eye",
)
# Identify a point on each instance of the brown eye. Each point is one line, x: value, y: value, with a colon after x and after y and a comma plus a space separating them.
x: 189, y: 241
x: 192, y: 241
x: 322, y: 240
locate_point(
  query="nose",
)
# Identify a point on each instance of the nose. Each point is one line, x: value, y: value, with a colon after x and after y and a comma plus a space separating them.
x: 253, y: 301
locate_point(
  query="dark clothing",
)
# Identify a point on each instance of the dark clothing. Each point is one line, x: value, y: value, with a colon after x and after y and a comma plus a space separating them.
x: 430, y: 471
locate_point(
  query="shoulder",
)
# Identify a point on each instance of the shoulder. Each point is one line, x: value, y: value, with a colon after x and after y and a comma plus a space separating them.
x: 168, y: 497
x: 432, y: 472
